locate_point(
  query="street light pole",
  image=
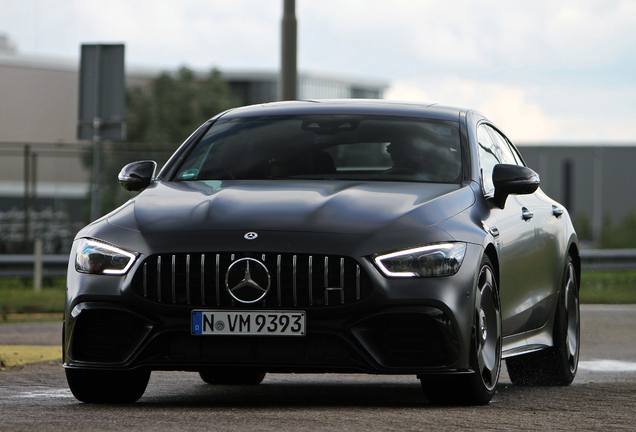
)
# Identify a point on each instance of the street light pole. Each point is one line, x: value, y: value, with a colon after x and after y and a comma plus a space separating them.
x: 288, y: 69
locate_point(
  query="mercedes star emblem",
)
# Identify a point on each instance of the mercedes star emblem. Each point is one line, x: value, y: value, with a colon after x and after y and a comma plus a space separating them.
x: 247, y: 280
x: 250, y: 235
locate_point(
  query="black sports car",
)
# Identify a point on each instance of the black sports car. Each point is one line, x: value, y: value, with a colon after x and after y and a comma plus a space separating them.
x: 328, y: 236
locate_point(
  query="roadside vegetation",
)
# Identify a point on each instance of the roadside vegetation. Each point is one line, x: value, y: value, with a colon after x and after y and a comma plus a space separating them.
x: 615, y: 235
x: 608, y: 287
x: 17, y: 297
x: 19, y: 301
x: 159, y: 117
x: 619, y: 235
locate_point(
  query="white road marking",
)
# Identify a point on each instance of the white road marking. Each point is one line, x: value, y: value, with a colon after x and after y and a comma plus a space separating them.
x: 52, y: 393
x: 607, y: 366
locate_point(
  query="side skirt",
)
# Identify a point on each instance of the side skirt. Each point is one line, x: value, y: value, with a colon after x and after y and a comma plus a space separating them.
x: 527, y: 342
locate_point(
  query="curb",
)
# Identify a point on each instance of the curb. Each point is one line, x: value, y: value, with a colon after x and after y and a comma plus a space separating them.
x: 19, y: 355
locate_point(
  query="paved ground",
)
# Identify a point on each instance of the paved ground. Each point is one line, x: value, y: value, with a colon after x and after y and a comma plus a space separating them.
x: 603, y: 396
x: 31, y: 334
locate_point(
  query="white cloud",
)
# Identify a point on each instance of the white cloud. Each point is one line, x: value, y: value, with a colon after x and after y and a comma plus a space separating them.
x: 567, y: 67
x: 530, y: 114
x: 405, y: 91
x: 522, y: 120
x: 508, y: 107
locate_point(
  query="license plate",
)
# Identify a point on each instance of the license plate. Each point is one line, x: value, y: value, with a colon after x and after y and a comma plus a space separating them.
x: 248, y: 323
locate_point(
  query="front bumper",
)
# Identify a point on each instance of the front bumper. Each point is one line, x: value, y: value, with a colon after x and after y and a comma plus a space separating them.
x: 405, y: 326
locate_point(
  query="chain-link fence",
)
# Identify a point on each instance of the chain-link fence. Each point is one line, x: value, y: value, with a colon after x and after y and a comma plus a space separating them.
x: 54, y: 228
x: 45, y: 190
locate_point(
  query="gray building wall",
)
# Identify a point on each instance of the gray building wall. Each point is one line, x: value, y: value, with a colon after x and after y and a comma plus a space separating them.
x: 593, y: 182
x: 38, y: 101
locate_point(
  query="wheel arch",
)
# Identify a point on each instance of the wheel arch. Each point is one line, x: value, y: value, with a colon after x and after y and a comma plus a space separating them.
x: 491, y: 253
x: 574, y: 253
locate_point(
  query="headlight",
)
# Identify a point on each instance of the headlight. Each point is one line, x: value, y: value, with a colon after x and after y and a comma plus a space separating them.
x: 427, y: 261
x: 100, y: 258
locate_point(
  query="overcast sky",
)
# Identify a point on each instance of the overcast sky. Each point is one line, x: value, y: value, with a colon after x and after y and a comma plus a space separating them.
x: 544, y: 70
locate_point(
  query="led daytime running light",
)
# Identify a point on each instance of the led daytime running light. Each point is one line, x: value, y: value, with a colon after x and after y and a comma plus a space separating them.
x: 95, y: 257
x: 428, y: 261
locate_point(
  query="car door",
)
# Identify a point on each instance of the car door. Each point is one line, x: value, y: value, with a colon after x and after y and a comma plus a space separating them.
x: 549, y: 244
x: 513, y: 229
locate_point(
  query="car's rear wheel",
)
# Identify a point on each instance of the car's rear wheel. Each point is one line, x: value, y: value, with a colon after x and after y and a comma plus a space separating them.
x: 116, y: 387
x: 232, y: 376
x: 476, y: 388
x: 555, y: 366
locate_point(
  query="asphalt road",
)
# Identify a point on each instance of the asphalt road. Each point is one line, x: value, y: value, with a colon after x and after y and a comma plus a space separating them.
x: 603, y: 396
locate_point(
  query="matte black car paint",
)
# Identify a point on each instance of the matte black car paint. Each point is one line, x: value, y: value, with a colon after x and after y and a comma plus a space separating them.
x: 346, y: 218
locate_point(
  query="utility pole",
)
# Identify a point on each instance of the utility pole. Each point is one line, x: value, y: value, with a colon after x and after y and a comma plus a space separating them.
x: 27, y: 195
x: 96, y: 196
x: 102, y: 105
x: 288, y: 68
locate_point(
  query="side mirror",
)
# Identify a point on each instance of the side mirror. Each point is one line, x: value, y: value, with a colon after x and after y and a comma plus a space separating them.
x: 137, y: 175
x: 513, y: 180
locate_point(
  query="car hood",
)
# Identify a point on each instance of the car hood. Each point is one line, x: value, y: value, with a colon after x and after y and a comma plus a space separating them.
x: 291, y: 206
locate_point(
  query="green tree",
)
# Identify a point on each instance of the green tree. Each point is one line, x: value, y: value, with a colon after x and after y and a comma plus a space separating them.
x: 159, y: 118
x: 173, y: 106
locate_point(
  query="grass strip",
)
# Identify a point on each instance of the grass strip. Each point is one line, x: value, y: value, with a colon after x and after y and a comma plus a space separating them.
x: 608, y: 287
x: 17, y: 296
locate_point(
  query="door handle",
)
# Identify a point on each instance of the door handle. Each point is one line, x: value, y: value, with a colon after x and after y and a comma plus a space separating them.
x: 526, y: 214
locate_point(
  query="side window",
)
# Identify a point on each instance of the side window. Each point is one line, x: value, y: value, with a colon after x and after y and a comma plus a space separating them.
x: 509, y: 156
x: 488, y: 157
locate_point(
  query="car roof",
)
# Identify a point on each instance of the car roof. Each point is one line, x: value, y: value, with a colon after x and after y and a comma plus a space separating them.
x: 348, y: 106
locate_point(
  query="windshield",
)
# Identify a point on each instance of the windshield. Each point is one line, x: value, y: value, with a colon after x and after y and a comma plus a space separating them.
x: 327, y: 147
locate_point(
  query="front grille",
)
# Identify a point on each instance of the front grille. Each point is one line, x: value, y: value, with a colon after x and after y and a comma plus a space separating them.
x: 295, y: 280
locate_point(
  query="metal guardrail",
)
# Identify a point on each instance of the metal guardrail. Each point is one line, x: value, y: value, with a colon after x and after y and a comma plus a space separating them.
x: 23, y: 265
x: 608, y: 259
x: 55, y: 265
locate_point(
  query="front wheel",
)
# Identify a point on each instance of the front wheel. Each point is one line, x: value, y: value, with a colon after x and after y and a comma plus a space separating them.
x: 555, y: 366
x: 114, y: 387
x: 477, y: 388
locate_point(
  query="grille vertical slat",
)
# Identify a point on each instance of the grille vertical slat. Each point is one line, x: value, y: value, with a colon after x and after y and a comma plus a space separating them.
x: 173, y: 279
x: 159, y: 278
x: 203, y: 279
x: 188, y: 279
x: 302, y: 280
x: 357, y: 282
x: 217, y: 285
x: 294, y: 272
x: 278, y: 282
x: 310, y: 280
x: 326, y: 273
x: 342, y: 284
x: 145, y: 280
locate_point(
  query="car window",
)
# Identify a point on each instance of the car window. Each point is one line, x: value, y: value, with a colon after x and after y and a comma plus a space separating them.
x: 509, y: 156
x: 327, y: 147
x: 489, y: 156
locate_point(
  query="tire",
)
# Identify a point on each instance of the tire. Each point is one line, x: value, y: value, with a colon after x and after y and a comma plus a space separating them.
x: 113, y: 387
x: 232, y: 377
x: 555, y: 366
x: 478, y: 387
